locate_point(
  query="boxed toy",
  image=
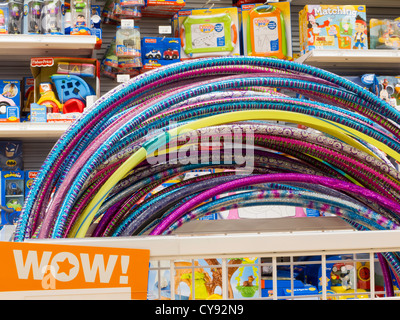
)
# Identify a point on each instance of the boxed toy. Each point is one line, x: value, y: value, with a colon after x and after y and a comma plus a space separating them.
x: 161, y: 8
x: 384, y: 34
x: 11, y: 155
x: 389, y: 89
x: 209, y: 32
x: 160, y: 51
x: 333, y: 27
x: 27, y: 97
x: 266, y: 30
x: 30, y: 175
x: 12, y: 196
x: 66, y: 86
x: 10, y: 100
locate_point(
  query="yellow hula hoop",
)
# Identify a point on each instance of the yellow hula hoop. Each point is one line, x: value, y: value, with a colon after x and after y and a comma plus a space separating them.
x: 342, y: 133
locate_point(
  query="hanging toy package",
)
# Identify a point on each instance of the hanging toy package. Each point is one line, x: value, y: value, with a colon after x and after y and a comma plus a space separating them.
x: 266, y: 30
x: 209, y: 32
x: 15, y: 8
x: 52, y: 17
x: 80, y: 17
x: 32, y: 16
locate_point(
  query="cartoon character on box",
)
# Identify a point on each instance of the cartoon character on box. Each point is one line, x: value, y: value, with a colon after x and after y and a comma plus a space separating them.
x: 11, y: 155
x: 360, y: 36
x: 314, y: 28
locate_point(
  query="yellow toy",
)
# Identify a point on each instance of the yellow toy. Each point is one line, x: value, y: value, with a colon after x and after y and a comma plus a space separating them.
x: 48, y: 98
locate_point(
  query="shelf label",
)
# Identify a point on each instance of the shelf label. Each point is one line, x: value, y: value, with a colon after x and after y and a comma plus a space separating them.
x: 37, y: 267
x: 164, y: 29
x: 123, y: 78
x: 127, y: 24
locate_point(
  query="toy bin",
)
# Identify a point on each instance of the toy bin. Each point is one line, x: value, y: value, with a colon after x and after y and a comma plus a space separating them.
x: 333, y: 27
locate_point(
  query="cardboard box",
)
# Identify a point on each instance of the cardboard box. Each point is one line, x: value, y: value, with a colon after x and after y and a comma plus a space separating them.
x: 10, y: 101
x: 161, y: 8
x: 11, y: 155
x: 12, y: 196
x: 76, y: 87
x: 333, y: 27
x: 160, y: 51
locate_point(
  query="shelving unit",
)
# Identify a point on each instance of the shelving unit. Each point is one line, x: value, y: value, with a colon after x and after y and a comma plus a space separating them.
x: 27, y: 131
x: 349, y: 62
x: 23, y: 47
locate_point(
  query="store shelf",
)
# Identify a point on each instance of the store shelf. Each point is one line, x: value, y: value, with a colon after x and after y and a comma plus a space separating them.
x: 26, y: 131
x: 367, y: 3
x: 350, y: 62
x: 23, y: 47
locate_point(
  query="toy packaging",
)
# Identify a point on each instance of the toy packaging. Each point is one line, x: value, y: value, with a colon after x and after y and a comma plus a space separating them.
x: 30, y: 175
x: 11, y: 155
x: 389, y: 89
x: 266, y: 30
x: 333, y: 27
x: 12, y: 196
x: 10, y: 100
x: 27, y: 97
x: 66, y: 86
x: 161, y: 8
x: 384, y: 34
x: 32, y: 16
x: 15, y: 9
x: 160, y: 51
x: 209, y: 32
x: 128, y: 42
x: 51, y: 17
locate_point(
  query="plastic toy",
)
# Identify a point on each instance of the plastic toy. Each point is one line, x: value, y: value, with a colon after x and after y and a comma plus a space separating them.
x: 384, y: 34
x: 73, y: 105
x: 32, y: 16
x: 171, y: 54
x: 80, y: 17
x: 128, y: 42
x: 208, y: 35
x: 51, y: 17
x: 153, y: 54
x: 79, y: 69
x: 15, y: 17
x: 48, y: 98
x: 71, y: 87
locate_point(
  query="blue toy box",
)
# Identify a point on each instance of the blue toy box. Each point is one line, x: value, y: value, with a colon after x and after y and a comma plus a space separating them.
x: 11, y: 155
x: 160, y: 51
x: 10, y: 100
x: 12, y: 196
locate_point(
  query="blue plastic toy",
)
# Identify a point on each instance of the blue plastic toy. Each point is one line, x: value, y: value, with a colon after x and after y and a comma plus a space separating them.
x: 71, y: 87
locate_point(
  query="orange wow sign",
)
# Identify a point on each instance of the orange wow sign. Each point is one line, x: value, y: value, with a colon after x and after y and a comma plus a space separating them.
x: 30, y: 266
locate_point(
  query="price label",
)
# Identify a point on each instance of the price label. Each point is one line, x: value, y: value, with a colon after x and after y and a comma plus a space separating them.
x: 127, y: 23
x: 123, y: 78
x: 164, y: 29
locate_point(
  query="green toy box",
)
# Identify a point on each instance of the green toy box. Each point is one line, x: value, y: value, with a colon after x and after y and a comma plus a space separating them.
x: 333, y: 27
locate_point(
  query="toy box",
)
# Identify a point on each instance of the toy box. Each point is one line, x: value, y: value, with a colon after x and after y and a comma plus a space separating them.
x: 384, y: 34
x: 27, y: 97
x: 11, y: 155
x: 66, y: 86
x: 12, y: 196
x: 160, y: 51
x: 389, y: 89
x: 266, y: 30
x: 30, y: 175
x: 209, y: 32
x: 10, y: 100
x: 161, y: 8
x: 333, y: 27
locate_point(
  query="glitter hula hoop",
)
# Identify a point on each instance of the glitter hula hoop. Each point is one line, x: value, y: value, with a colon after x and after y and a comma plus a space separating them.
x: 97, y: 170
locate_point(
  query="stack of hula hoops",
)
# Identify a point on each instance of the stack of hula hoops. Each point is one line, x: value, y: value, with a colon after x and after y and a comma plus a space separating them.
x: 100, y: 173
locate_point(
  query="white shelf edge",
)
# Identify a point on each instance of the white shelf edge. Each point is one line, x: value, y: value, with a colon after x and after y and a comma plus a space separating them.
x: 26, y: 130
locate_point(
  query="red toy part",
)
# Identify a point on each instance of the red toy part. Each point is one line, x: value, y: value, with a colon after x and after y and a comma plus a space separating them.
x: 73, y: 105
